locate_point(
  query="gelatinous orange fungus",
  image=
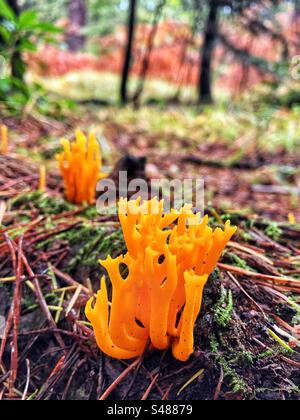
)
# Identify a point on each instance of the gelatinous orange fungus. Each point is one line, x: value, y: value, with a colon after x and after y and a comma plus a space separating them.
x: 157, y: 286
x: 80, y: 164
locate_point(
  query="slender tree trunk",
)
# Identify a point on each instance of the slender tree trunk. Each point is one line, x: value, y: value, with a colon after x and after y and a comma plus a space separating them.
x: 190, y: 40
x: 18, y: 67
x: 128, y: 51
x: 148, y: 52
x: 77, y: 18
x: 210, y: 37
x: 296, y: 18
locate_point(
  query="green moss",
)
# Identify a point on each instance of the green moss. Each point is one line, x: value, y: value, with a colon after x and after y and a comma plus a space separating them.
x: 88, y: 243
x: 95, y: 242
x: 291, y: 389
x: 46, y: 204
x: 239, y: 262
x: 273, y: 231
x: 245, y: 236
x: 266, y: 354
x: 236, y: 382
x: 223, y: 309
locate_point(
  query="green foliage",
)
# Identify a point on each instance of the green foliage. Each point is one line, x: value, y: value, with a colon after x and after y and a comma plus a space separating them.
x: 19, y: 33
x: 50, y: 10
x: 105, y: 16
x: 52, y: 105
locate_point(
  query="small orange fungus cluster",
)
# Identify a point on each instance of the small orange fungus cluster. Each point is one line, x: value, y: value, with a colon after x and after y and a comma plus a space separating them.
x: 43, y: 178
x: 80, y: 165
x: 4, y: 139
x: 169, y: 259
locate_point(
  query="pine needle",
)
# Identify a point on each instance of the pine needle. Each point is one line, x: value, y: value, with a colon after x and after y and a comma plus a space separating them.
x: 281, y: 342
x: 192, y: 379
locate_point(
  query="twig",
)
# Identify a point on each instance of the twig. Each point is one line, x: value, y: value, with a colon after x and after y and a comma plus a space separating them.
x: 2, y: 211
x: 219, y: 386
x: 247, y: 273
x: 290, y: 362
x: 167, y: 393
x: 192, y: 379
x: 42, y: 302
x: 27, y: 380
x: 69, y: 280
x: 250, y: 251
x: 77, y: 366
x: 9, y: 321
x: 74, y: 299
x: 119, y: 379
x: 16, y: 320
x: 142, y: 357
x: 100, y: 375
x: 247, y: 294
x: 276, y: 189
x: 148, y: 390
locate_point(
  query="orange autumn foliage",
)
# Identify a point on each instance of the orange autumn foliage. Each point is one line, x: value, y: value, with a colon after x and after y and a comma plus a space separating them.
x: 175, y: 56
x: 80, y: 165
x: 169, y: 260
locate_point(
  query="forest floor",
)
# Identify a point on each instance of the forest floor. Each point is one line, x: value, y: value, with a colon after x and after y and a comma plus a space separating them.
x: 247, y: 336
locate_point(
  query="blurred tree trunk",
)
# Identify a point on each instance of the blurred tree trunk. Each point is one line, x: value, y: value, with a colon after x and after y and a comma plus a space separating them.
x: 18, y: 67
x: 149, y: 48
x: 296, y: 14
x: 128, y: 51
x: 189, y: 41
x: 77, y: 20
x: 297, y: 8
x: 210, y: 37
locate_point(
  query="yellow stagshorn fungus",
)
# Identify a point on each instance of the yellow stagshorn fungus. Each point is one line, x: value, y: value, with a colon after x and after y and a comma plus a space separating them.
x: 43, y: 178
x: 4, y: 139
x: 80, y: 165
x: 169, y: 260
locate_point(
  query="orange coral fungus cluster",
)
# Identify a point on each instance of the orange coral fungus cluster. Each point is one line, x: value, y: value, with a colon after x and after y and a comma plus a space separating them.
x: 167, y: 265
x: 80, y: 165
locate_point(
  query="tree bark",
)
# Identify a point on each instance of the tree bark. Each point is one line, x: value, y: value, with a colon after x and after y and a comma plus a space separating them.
x: 296, y: 18
x: 128, y: 51
x: 210, y: 37
x: 148, y: 52
x: 297, y: 7
x: 77, y: 18
x: 18, y: 67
